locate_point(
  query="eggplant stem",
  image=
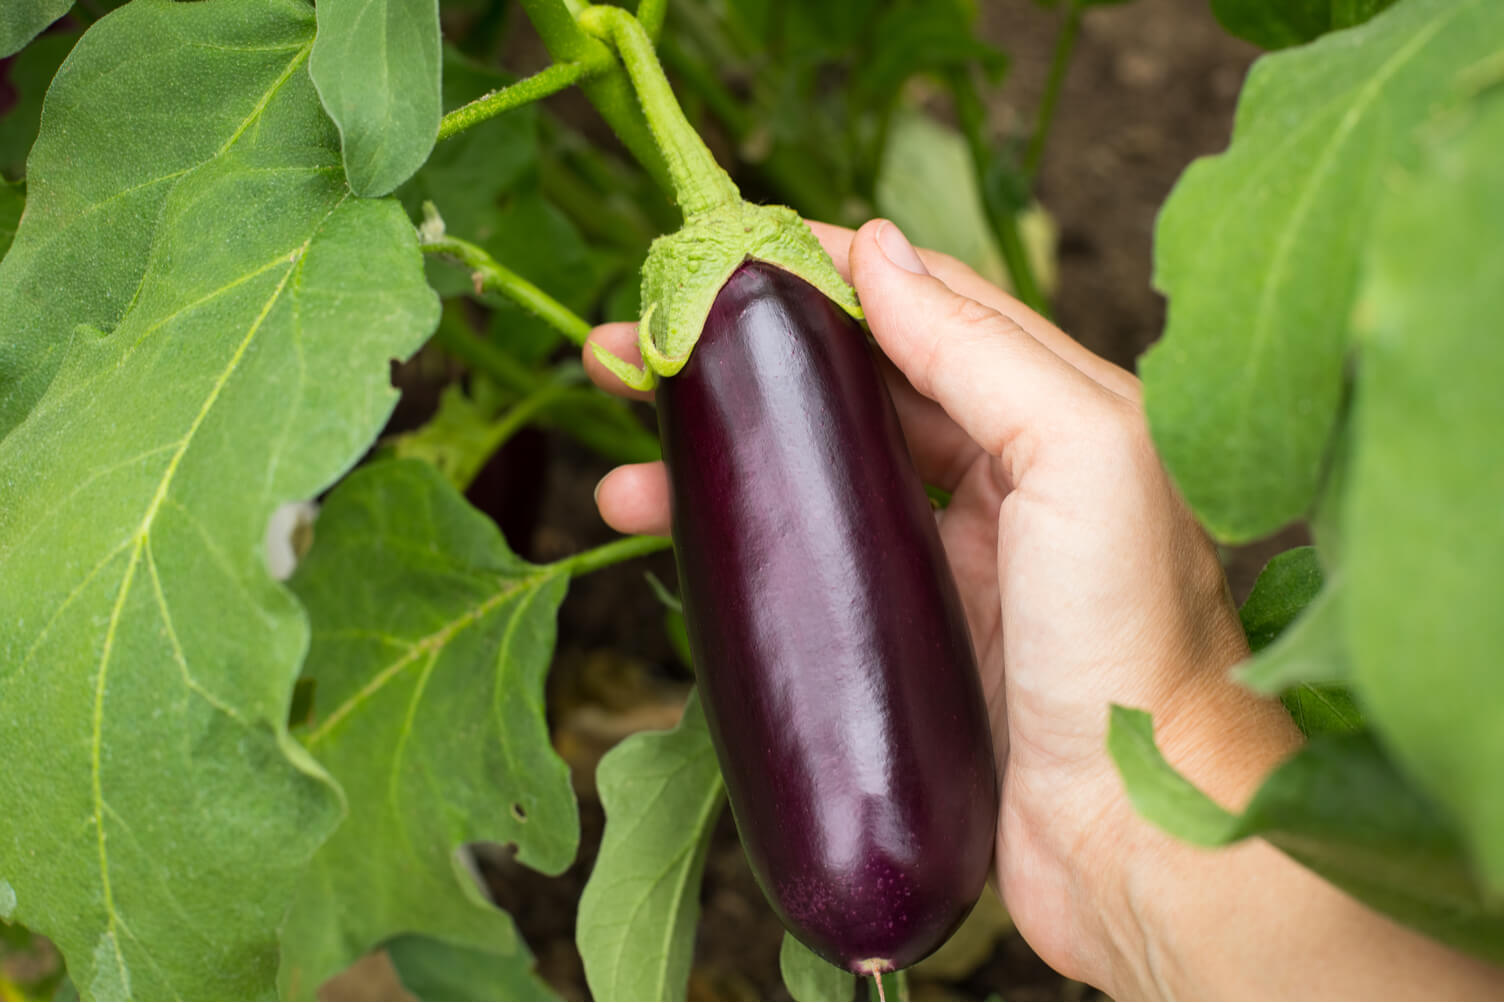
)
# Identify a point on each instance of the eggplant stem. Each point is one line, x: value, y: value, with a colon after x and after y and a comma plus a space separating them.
x: 699, y: 183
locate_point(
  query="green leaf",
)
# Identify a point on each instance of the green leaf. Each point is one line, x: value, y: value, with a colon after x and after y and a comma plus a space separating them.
x: 31, y: 70
x: 147, y: 658
x: 152, y: 94
x: 1340, y: 808
x: 436, y: 970
x: 459, y: 439
x: 662, y: 793
x: 928, y: 186
x: 1323, y: 710
x: 468, y: 173
x: 1258, y: 251
x: 809, y: 977
x: 1295, y: 633
x: 431, y: 641
x: 1311, y: 649
x: 927, y: 38
x: 376, y: 65
x: 23, y: 20
x: 1286, y: 586
x: 12, y: 204
x: 1275, y: 24
x: 1421, y: 523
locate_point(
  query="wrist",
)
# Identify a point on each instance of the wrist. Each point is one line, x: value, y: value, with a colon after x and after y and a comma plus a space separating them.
x: 1166, y: 902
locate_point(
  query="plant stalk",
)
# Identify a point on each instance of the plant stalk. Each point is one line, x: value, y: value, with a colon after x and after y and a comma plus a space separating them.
x: 490, y: 274
x: 1002, y: 217
x: 698, y: 182
x: 611, y: 553
x: 1065, y: 43
x: 651, y: 14
x: 609, y: 90
x: 534, y: 88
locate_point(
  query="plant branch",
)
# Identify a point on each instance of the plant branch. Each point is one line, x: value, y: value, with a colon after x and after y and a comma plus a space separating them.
x: 490, y: 274
x: 1002, y: 216
x: 1065, y: 42
x: 534, y: 88
x: 699, y: 183
x: 608, y: 90
x: 611, y: 553
x: 651, y: 14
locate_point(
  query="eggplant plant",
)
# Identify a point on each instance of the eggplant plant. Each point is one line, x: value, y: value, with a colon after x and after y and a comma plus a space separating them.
x: 226, y: 219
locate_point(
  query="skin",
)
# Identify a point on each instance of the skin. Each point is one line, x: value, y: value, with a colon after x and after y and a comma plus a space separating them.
x: 1088, y: 582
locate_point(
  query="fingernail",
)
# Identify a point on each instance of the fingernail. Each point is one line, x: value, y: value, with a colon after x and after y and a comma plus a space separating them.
x: 597, y: 494
x: 897, y: 249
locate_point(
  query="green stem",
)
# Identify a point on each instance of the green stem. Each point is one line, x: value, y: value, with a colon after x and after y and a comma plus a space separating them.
x: 493, y: 275
x: 533, y: 88
x: 611, y: 553
x: 1002, y: 217
x: 456, y: 338
x: 1064, y: 43
x: 798, y: 180
x: 608, y: 90
x: 651, y: 14
x: 699, y: 183
x: 508, y: 425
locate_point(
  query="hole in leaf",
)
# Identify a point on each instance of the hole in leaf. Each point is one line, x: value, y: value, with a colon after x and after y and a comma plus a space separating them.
x: 518, y: 812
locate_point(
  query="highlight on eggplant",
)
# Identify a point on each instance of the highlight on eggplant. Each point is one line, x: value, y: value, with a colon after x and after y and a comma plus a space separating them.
x: 834, y: 659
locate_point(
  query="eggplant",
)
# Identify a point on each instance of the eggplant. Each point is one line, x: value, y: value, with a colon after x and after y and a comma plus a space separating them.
x: 834, y: 661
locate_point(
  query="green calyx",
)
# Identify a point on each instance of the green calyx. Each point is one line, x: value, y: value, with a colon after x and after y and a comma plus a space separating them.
x: 685, y: 271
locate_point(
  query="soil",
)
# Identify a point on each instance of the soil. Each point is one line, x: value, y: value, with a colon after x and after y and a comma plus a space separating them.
x: 1153, y: 85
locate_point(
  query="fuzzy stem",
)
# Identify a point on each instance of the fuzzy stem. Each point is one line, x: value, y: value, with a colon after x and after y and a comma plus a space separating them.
x: 609, y: 91
x: 534, y: 88
x: 699, y: 183
x: 611, y: 553
x: 492, y: 275
x: 651, y: 13
x: 1064, y: 43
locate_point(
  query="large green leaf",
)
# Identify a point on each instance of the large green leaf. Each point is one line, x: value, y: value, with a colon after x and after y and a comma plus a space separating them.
x: 809, y: 977
x: 1340, y: 808
x: 1422, y: 531
x: 31, y: 70
x: 434, y: 970
x: 153, y: 93
x: 158, y: 814
x: 376, y: 65
x: 662, y: 793
x: 1258, y: 252
x: 12, y: 204
x: 1275, y: 24
x: 21, y: 20
x: 431, y: 641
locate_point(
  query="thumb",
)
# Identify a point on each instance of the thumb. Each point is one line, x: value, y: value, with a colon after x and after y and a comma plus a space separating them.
x: 994, y: 380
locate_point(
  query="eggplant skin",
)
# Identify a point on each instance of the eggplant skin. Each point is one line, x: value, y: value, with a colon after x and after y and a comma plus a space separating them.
x: 834, y: 660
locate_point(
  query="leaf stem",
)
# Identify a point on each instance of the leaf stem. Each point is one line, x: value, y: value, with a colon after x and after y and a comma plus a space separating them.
x: 490, y: 274
x: 509, y: 424
x: 534, y: 88
x: 651, y: 14
x: 609, y: 91
x: 699, y: 184
x: 1065, y: 42
x: 1003, y: 217
x: 615, y: 552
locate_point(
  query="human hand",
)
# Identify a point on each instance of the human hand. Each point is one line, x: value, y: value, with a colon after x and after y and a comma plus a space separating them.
x: 1086, y: 582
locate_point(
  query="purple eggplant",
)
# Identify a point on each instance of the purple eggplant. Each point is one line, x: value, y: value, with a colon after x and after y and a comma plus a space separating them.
x: 834, y: 661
